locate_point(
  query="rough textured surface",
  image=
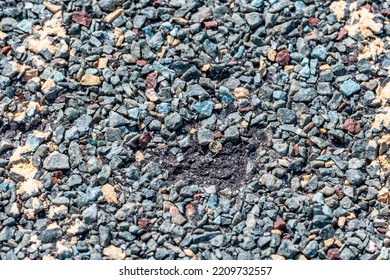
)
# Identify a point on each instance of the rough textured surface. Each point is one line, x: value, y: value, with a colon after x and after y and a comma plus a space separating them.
x: 196, y: 129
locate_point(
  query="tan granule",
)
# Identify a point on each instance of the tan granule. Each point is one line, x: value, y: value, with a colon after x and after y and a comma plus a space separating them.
x: 338, y: 8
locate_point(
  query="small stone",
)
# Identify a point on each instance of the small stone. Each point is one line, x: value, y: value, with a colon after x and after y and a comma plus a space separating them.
x: 93, y: 165
x: 139, y: 156
x: 77, y: 228
x: 145, y: 138
x: 319, y: 52
x: 33, y: 84
x: 205, y: 136
x: 104, y: 235
x: 349, y: 87
x: 354, y: 176
x: 189, y: 191
x: 92, y: 194
x: 257, y: 3
x: 286, y: 116
x: 305, y: 95
x: 204, y: 107
x: 210, y: 24
x: 253, y: 19
x: 116, y: 119
x: 35, y: 139
x: 7, y: 24
x: 278, y: 6
x: 107, y: 5
x: 151, y: 79
x: 125, y: 211
x: 333, y: 254
x: 6, y: 234
x: 327, y: 211
x: 314, y: 21
x: 25, y: 26
x: 5, y: 144
x: 161, y: 254
x: 204, y: 237
x: 58, y: 212
x: 280, y: 224
x: 283, y: 57
x: 232, y: 134
x: 109, y: 194
x: 56, y: 161
x: 271, y: 55
x: 156, y: 41
x: 206, y: 67
x: 328, y: 242
x: 164, y: 108
x: 4, y: 187
x: 271, y: 182
x: 355, y: 163
x: 4, y: 82
x: 248, y: 243
x: 83, y: 123
x: 365, y: 67
x: 311, y: 249
x: 90, y: 80
x: 52, y: 7
x: 176, y: 216
x: 165, y: 71
x: 319, y: 197
x: 82, y: 18
x: 293, y: 203
x: 372, y: 149
x: 215, y: 147
x: 351, y: 126
x: 74, y: 180
x: 49, y: 87
x: 139, y: 21
x: 102, y: 62
x: 114, y: 253
x: 305, y: 72
x: 277, y: 257
x: 12, y: 69
x: 51, y: 234
x: 173, y: 121
x: 241, y: 92
x: 346, y: 202
x: 113, y: 15
x: 342, y: 32
x: 90, y: 214
x: 347, y: 254
x: 29, y: 74
x: 217, y: 241
x: 3, y: 36
x: 287, y: 249
x: 341, y: 222
x: 383, y: 195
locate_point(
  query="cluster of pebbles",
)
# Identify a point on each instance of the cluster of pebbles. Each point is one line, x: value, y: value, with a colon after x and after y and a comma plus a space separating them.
x: 194, y: 129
